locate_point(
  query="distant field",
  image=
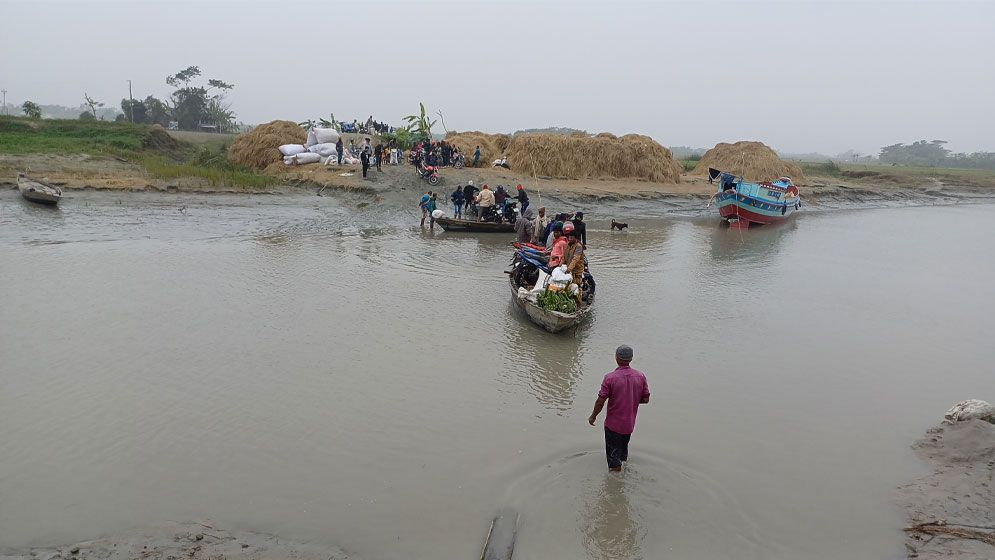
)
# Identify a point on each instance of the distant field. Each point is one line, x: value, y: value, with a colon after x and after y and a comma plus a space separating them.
x: 203, y: 138
x: 898, y: 173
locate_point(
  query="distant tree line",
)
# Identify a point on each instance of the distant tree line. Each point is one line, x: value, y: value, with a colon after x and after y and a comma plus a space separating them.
x: 932, y: 153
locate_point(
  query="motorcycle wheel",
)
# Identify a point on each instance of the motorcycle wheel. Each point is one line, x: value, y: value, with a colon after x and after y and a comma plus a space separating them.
x: 459, y: 165
x: 434, y: 180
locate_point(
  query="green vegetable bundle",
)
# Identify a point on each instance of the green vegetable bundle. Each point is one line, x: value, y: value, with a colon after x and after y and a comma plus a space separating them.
x: 560, y: 301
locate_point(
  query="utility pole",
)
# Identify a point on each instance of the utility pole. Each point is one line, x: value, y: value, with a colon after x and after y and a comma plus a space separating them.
x: 131, y: 105
x: 5, y: 111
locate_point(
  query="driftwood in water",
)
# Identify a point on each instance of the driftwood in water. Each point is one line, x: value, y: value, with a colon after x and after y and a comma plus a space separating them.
x: 500, y: 543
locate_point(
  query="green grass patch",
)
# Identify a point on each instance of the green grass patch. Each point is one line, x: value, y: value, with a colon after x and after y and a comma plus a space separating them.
x: 163, y: 155
x: 231, y: 176
x: 25, y: 136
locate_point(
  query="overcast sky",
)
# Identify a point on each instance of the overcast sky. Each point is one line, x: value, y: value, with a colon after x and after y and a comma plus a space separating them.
x: 802, y: 77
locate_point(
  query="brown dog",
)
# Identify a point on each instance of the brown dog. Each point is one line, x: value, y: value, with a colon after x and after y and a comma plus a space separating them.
x: 618, y: 225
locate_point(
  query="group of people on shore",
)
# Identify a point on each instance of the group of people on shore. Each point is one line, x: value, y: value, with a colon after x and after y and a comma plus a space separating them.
x: 369, y: 126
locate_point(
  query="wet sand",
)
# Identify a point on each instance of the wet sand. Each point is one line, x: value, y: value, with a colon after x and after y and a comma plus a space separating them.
x: 176, y: 541
x: 952, y: 510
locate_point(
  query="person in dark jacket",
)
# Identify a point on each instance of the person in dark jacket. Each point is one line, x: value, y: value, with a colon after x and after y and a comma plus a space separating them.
x: 364, y: 158
x: 457, y: 198
x: 523, y: 198
x: 581, y: 228
x: 339, y: 148
x: 500, y: 195
x: 378, y: 153
x: 469, y: 192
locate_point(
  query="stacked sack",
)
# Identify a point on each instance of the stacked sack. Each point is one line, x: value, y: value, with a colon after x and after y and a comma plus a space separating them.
x: 319, y: 147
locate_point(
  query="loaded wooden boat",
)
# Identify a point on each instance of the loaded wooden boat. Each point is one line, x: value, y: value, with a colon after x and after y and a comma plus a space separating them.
x: 742, y: 203
x: 38, y: 191
x: 552, y: 321
x: 452, y: 224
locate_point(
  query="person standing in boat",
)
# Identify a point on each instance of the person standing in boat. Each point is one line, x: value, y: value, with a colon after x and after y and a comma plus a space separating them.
x: 485, y: 200
x: 469, y: 192
x: 523, y: 226
x: 539, y: 226
x: 624, y: 389
x: 457, y: 198
x: 523, y: 198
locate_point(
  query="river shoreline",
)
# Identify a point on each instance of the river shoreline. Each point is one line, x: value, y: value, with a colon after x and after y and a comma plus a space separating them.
x: 75, y: 173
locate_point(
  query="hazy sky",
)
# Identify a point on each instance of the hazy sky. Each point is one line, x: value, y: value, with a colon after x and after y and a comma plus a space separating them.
x: 813, y: 76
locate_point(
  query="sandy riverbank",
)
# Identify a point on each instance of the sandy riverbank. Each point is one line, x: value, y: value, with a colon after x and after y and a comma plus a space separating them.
x: 952, y: 510
x: 75, y: 172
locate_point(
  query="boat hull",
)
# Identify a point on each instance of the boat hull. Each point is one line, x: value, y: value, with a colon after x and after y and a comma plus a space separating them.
x: 742, y: 211
x: 37, y: 191
x: 551, y: 321
x: 452, y: 224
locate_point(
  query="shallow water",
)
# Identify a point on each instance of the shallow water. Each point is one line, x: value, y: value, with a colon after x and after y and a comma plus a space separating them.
x: 337, y: 375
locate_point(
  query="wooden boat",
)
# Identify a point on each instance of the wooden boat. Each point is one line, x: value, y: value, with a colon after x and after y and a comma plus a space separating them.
x: 38, y: 191
x: 552, y: 321
x: 742, y: 203
x: 452, y: 224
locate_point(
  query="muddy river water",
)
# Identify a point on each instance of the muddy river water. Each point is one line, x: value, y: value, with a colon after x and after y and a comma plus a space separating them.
x: 334, y: 374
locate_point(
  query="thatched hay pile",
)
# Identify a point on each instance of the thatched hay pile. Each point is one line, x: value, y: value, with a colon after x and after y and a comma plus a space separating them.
x: 583, y: 157
x: 753, y: 161
x: 492, y: 146
x: 575, y: 156
x: 258, y: 147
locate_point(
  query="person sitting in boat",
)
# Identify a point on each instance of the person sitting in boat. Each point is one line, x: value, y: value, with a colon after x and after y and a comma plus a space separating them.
x: 500, y: 195
x: 485, y: 200
x: 573, y: 257
x: 559, y: 245
x: 551, y: 236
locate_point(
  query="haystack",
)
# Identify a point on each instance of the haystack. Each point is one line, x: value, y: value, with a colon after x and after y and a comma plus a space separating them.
x: 585, y: 157
x: 492, y: 146
x: 258, y: 147
x: 754, y: 161
x: 575, y: 156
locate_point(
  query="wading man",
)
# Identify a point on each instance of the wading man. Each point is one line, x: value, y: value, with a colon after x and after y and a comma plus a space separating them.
x: 624, y: 389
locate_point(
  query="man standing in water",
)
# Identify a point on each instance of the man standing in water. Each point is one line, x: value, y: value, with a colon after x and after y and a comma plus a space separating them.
x: 624, y: 389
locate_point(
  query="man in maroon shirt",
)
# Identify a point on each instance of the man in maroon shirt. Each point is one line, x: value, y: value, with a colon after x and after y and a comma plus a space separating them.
x: 624, y: 389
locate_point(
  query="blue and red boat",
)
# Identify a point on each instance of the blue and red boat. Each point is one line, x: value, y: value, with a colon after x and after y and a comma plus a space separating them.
x: 742, y: 203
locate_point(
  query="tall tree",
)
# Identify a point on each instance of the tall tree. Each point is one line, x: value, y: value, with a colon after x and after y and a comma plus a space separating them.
x: 194, y: 105
x: 31, y: 110
x: 92, y: 104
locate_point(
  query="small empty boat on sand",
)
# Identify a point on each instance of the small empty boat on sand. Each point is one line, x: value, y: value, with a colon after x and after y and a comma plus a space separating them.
x: 38, y: 191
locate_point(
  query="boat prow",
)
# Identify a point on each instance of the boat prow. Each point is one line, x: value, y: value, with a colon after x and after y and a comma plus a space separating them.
x: 38, y: 191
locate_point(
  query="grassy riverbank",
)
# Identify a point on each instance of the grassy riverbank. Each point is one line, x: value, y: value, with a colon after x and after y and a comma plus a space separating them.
x: 145, y: 152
